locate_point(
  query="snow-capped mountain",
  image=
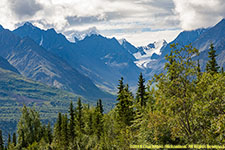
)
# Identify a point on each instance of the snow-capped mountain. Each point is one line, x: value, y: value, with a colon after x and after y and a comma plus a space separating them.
x: 145, y: 54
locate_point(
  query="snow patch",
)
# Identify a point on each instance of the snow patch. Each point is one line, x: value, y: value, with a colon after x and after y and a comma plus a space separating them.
x: 144, y: 60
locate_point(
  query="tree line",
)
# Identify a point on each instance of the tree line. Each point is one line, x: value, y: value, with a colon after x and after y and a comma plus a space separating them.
x: 182, y: 106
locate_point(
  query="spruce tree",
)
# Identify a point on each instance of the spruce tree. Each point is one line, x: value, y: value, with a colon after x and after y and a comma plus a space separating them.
x: 29, y: 127
x: 222, y: 70
x: 1, y: 141
x: 124, y: 104
x: 198, y: 70
x: 9, y: 139
x: 79, y: 117
x: 72, y: 122
x: 58, y: 128
x: 49, y: 133
x: 14, y: 139
x: 212, y: 66
x: 64, y: 130
x: 99, y: 119
x: 141, y: 94
x: 100, y: 106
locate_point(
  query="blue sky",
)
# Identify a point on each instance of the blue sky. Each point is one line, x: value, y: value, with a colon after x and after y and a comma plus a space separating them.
x: 139, y: 21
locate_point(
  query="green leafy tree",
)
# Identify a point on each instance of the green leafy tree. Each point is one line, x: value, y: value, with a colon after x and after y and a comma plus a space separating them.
x: 212, y: 66
x: 141, y: 95
x: 172, y: 119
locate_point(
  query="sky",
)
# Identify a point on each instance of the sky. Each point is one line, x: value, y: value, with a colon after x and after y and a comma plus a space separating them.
x: 139, y: 21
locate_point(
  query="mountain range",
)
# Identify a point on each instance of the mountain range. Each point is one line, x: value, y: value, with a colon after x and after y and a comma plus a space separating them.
x: 92, y: 66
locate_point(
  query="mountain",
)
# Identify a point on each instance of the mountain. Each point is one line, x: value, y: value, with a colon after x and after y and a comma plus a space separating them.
x: 200, y: 39
x: 184, y: 38
x: 4, y: 64
x: 36, y: 63
x: 101, y: 59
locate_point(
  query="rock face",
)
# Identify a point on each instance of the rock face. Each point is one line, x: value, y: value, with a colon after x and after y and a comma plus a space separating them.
x: 36, y: 63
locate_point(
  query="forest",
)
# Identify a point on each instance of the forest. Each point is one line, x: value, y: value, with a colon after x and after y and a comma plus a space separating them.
x: 183, y: 105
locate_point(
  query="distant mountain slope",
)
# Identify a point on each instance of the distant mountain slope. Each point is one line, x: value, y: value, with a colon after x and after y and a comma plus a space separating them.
x: 16, y: 90
x: 4, y: 64
x: 36, y: 63
x: 103, y: 60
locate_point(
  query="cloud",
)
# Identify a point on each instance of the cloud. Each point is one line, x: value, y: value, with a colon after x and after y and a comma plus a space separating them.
x: 25, y: 8
x: 199, y: 13
x: 114, y: 17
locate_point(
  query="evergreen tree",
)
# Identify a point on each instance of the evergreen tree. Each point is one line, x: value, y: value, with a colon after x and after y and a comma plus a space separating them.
x: 64, y: 132
x: 72, y: 122
x: 222, y: 70
x: 198, y: 70
x: 100, y: 106
x: 9, y: 139
x: 58, y: 128
x: 1, y: 141
x: 49, y: 133
x: 14, y: 139
x: 29, y: 127
x: 141, y: 94
x: 212, y: 66
x: 99, y: 119
x: 79, y: 117
x: 121, y: 85
x: 124, y: 104
x: 90, y: 124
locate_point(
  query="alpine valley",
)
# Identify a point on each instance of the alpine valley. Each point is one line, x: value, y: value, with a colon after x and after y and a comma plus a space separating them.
x: 42, y: 68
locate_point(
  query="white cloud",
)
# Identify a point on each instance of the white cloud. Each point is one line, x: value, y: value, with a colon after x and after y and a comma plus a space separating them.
x: 117, y: 18
x: 199, y: 13
x: 145, y: 38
